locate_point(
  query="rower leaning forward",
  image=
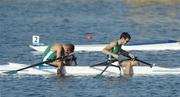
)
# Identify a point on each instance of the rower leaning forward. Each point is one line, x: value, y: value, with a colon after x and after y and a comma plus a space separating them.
x: 59, y: 50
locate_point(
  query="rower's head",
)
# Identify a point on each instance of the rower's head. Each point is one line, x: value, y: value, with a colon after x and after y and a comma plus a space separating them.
x: 124, y: 38
x: 68, y: 48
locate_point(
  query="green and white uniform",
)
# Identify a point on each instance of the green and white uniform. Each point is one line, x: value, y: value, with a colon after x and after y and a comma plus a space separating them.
x: 115, y: 50
x: 48, y: 54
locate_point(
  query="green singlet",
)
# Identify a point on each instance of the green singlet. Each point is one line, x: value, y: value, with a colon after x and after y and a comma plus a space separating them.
x: 115, y: 50
x: 48, y: 54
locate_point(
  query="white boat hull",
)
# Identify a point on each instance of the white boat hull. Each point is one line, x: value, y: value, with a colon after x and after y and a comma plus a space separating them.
x: 99, y: 47
x: 86, y: 70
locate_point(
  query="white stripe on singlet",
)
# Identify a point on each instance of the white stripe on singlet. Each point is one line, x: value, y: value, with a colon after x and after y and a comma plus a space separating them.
x: 46, y: 57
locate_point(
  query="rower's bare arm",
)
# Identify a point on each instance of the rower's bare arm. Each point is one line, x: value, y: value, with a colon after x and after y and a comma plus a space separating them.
x: 58, y: 49
x: 107, y: 49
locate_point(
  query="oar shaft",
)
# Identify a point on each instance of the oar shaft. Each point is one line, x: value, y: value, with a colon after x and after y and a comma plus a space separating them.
x: 140, y: 61
x: 144, y: 62
x: 48, y: 61
x: 30, y: 66
x: 104, y: 69
x: 108, y: 63
x: 104, y: 63
x: 99, y: 64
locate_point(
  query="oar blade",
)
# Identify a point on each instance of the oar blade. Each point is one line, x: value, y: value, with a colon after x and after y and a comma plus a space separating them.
x: 10, y: 72
x: 99, y: 76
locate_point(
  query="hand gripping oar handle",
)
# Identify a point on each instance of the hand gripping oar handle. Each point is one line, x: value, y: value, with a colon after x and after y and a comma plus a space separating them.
x: 48, y: 61
x: 126, y: 54
x: 151, y: 65
x: 142, y: 61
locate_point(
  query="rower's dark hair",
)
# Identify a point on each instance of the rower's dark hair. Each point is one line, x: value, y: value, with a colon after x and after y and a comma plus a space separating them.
x: 70, y: 46
x: 125, y: 35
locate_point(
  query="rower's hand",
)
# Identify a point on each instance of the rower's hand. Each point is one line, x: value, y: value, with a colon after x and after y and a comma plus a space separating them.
x: 131, y: 56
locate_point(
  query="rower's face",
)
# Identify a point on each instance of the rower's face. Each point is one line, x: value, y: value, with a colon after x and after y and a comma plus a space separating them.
x: 125, y: 41
x: 67, y: 50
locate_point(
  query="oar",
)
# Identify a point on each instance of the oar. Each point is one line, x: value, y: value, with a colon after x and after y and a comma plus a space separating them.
x: 99, y: 75
x: 126, y: 54
x: 141, y: 61
x: 108, y: 63
x: 102, y: 63
x: 48, y: 61
x: 151, y: 65
x: 99, y: 64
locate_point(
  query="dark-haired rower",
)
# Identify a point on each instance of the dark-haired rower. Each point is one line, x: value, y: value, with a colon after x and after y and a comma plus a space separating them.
x: 55, y: 51
x: 114, y: 50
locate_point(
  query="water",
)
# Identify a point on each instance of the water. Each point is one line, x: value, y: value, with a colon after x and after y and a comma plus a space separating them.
x: 144, y: 86
x: 71, y: 21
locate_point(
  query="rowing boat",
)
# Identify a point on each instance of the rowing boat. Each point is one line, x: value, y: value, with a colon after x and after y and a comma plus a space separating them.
x: 155, y: 46
x: 86, y: 70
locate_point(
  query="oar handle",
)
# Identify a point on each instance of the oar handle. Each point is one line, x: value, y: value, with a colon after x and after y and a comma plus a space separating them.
x: 144, y: 62
x: 99, y: 64
x: 140, y: 61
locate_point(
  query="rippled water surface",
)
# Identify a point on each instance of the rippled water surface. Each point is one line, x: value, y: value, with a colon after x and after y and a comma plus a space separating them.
x: 70, y: 21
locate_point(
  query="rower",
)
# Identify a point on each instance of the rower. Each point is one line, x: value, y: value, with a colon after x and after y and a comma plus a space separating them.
x: 114, y: 50
x: 58, y: 50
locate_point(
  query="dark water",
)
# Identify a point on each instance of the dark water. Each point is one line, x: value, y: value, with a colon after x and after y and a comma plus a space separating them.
x: 71, y: 21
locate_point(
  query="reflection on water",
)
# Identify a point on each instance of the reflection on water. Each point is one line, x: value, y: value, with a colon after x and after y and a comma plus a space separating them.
x: 156, y: 14
x: 69, y: 21
x: 154, y: 1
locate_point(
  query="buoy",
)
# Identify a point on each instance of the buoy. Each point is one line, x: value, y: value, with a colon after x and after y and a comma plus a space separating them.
x: 89, y: 37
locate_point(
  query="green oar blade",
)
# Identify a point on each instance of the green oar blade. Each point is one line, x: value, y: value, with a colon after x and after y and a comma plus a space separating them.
x: 99, y: 76
x: 11, y: 72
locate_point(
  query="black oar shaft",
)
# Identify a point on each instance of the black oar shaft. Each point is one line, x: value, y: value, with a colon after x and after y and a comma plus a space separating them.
x: 104, y: 69
x: 99, y: 64
x: 29, y: 66
x: 141, y: 61
x: 48, y: 61
x: 144, y: 62
x: 103, y: 63
x: 107, y: 63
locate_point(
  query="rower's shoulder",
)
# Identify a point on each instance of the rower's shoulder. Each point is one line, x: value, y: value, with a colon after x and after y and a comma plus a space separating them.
x: 57, y: 45
x: 111, y: 44
x: 114, y: 42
